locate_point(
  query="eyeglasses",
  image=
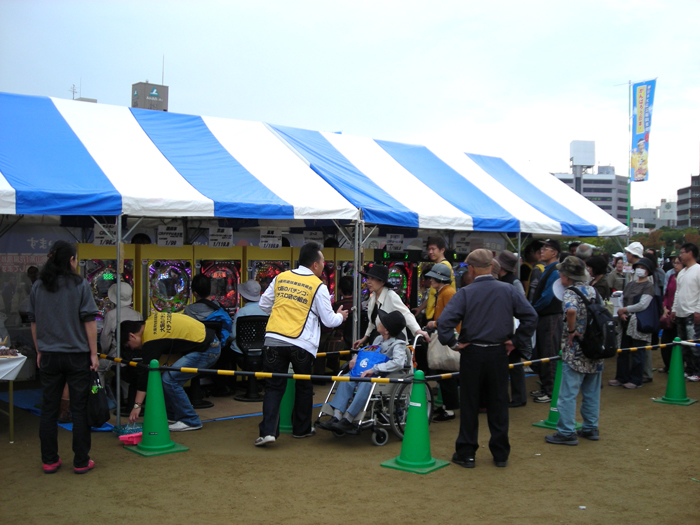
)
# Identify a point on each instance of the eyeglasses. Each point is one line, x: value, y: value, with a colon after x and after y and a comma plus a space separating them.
x: 546, y: 248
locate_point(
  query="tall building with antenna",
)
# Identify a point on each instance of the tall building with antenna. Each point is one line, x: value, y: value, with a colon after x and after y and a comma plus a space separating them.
x: 149, y: 96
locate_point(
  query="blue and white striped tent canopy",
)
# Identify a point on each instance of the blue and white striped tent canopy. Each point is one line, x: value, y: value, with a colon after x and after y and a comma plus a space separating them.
x: 63, y: 157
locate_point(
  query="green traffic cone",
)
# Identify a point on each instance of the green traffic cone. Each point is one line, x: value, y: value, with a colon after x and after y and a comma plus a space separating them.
x: 675, y: 388
x: 155, y: 439
x: 287, y: 407
x: 553, y: 419
x: 415, y: 448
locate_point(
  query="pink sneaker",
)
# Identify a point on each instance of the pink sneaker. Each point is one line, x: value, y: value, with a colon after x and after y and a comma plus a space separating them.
x: 631, y: 386
x: 53, y: 467
x: 83, y: 470
x: 614, y: 382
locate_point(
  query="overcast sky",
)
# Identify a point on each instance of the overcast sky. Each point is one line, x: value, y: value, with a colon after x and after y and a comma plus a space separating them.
x: 518, y: 80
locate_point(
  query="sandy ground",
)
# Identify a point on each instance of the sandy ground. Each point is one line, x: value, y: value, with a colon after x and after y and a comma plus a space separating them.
x: 643, y: 470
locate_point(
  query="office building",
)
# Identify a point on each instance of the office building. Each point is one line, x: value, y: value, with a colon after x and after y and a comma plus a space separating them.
x: 149, y: 96
x: 609, y: 191
x: 689, y: 204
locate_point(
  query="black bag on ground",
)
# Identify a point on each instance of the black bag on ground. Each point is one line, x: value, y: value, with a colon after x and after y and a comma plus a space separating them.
x: 98, y: 407
x: 599, y: 340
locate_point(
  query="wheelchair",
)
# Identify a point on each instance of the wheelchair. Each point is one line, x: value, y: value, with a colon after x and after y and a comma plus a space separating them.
x: 386, y: 407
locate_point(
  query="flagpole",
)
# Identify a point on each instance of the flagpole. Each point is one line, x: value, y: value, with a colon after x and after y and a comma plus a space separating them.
x: 629, y: 160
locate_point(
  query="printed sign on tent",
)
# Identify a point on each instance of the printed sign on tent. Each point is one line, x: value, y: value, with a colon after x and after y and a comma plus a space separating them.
x: 171, y: 236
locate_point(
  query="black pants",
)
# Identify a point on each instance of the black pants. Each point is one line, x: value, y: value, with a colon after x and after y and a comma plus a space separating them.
x: 667, y: 337
x: 549, y: 329
x: 518, y: 395
x: 276, y: 359
x: 483, y: 374
x: 56, y: 370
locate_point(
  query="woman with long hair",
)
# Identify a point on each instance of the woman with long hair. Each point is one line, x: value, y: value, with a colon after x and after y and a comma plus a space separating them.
x: 62, y: 314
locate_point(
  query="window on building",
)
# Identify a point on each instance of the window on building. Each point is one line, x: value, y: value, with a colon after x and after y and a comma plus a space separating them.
x: 567, y: 181
x: 696, y: 182
x: 596, y: 181
x: 604, y: 207
x: 622, y: 217
x: 597, y: 190
x: 595, y: 199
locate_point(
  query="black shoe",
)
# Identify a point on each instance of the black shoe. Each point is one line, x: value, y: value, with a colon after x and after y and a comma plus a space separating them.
x: 468, y: 462
x: 346, y: 427
x: 441, y: 414
x: 561, y: 439
x: 536, y: 393
x: 309, y: 434
x: 544, y: 398
x: 202, y: 403
x: 500, y: 464
x: 516, y: 405
x: 647, y: 380
x: 593, y: 435
x: 329, y: 424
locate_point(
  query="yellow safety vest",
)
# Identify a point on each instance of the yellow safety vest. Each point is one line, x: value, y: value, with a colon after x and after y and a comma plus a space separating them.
x: 294, y: 295
x: 163, y: 325
x: 432, y: 301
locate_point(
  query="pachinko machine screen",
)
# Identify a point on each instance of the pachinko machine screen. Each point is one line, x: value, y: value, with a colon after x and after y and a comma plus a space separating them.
x: 347, y: 268
x: 400, y: 277
x: 328, y: 277
x: 101, y: 274
x: 225, y: 277
x: 265, y: 271
x: 169, y: 285
x: 423, y: 282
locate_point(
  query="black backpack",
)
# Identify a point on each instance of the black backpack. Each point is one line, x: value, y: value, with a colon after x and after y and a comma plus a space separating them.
x: 599, y: 340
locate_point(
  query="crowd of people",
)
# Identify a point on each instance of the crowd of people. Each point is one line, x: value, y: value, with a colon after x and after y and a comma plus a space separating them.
x: 509, y: 308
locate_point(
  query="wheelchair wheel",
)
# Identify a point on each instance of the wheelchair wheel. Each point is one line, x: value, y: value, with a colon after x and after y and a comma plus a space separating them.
x: 380, y: 436
x: 398, y: 407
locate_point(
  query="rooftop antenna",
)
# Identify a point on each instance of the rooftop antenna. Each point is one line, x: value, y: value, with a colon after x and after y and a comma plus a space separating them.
x: 73, y: 90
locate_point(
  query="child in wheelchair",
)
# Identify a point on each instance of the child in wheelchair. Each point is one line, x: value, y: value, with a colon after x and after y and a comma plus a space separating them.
x: 393, y: 349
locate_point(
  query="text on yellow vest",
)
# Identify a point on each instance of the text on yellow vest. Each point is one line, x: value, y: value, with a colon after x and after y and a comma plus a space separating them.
x: 294, y: 295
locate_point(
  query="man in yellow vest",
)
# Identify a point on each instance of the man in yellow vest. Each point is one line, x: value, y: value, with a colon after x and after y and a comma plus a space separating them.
x: 297, y: 302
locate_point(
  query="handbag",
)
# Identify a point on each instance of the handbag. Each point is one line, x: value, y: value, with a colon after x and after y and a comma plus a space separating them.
x: 648, y: 319
x: 97, y: 407
x: 366, y: 359
x: 441, y: 357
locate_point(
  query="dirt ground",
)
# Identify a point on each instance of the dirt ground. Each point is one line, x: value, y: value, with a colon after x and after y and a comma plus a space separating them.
x: 644, y: 469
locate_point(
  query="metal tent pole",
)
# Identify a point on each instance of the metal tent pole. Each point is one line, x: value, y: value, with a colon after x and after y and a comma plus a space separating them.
x: 119, y: 315
x: 357, y: 278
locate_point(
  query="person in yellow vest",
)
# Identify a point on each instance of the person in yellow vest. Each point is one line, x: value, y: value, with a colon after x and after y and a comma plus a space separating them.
x: 164, y: 334
x: 436, y: 253
x: 298, y: 302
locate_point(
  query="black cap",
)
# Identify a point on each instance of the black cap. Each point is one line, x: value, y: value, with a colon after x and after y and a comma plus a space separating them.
x: 553, y: 243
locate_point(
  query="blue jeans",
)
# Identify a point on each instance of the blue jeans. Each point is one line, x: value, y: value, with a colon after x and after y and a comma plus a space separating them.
x: 571, y: 383
x: 177, y: 404
x: 343, y: 394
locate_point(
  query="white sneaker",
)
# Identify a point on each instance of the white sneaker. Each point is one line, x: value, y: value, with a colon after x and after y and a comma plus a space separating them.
x: 262, y: 441
x: 180, y: 426
x: 694, y: 378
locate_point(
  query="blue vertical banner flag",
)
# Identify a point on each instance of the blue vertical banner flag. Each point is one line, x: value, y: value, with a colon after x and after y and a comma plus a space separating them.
x: 643, y: 103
